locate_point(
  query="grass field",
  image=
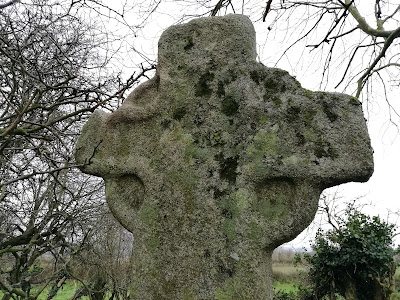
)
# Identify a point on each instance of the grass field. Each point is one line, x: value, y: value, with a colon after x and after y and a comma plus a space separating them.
x: 288, y: 273
x: 286, y: 287
x: 70, y: 287
x: 287, y: 278
x: 65, y: 293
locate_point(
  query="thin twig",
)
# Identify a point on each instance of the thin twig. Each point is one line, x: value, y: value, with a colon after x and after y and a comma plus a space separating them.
x: 360, y: 83
x: 267, y: 9
x: 4, y: 5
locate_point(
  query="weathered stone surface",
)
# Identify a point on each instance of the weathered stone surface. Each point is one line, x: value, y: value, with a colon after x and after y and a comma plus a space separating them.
x: 217, y: 160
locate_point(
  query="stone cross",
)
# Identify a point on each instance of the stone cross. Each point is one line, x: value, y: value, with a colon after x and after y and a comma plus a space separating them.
x: 217, y: 160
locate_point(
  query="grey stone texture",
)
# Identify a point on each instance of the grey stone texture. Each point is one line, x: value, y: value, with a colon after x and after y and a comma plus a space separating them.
x: 217, y: 160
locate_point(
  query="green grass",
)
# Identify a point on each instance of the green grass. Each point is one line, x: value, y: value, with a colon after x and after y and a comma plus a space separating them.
x: 287, y: 273
x: 395, y: 296
x: 66, y: 292
x: 286, y: 287
x: 286, y: 277
x: 397, y: 274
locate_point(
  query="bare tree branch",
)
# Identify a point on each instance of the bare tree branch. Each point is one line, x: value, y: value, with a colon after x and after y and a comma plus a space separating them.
x: 11, y: 2
x: 267, y: 9
x: 395, y: 34
x: 336, y: 23
x: 363, y: 25
x: 217, y: 7
x: 391, y: 15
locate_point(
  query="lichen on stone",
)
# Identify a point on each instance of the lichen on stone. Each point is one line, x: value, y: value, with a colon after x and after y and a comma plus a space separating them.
x: 217, y: 160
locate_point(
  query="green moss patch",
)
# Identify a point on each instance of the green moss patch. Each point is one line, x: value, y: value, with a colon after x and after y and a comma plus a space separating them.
x: 328, y: 110
x: 293, y: 113
x: 232, y: 207
x: 324, y: 149
x: 189, y: 43
x: 309, y: 94
x: 220, y: 89
x: 264, y: 143
x: 354, y: 101
x: 229, y: 228
x: 301, y: 139
x: 274, y: 85
x: 179, y: 113
x: 149, y: 215
x: 255, y: 76
x: 152, y: 242
x: 227, y: 168
x: 309, y: 116
x: 203, y: 88
x: 274, y: 196
x: 231, y: 291
x: 229, y: 106
x: 254, y: 231
x: 186, y: 182
x: 275, y: 99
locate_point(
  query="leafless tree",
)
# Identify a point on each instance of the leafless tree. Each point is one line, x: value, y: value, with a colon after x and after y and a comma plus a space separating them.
x: 352, y: 45
x: 56, y: 67
x: 104, y: 262
x: 359, y: 38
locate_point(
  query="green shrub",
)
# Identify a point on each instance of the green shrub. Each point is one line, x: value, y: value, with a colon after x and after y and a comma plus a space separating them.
x: 354, y: 259
x: 300, y: 293
x: 282, y: 295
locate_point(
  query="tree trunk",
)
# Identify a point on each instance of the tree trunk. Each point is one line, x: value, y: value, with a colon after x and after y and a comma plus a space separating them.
x: 350, y: 291
x: 375, y: 291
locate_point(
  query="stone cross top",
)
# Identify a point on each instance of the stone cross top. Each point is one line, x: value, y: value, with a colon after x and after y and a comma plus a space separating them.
x: 217, y: 160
